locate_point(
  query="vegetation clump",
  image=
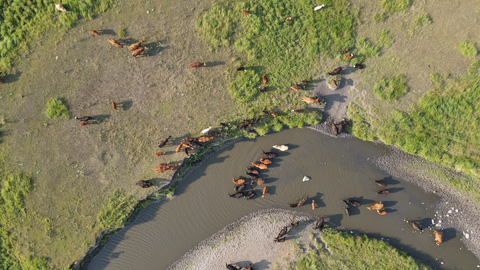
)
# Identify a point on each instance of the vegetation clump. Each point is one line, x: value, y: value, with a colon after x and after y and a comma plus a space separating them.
x: 379, y: 17
x: 117, y: 211
x: 391, y: 88
x: 343, y: 250
x: 384, y: 39
x: 468, y: 49
x: 423, y: 20
x: 56, y: 109
x: 217, y: 26
x: 392, y: 6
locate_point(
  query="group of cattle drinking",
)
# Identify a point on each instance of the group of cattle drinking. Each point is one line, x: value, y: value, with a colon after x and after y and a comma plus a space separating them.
x: 252, y: 173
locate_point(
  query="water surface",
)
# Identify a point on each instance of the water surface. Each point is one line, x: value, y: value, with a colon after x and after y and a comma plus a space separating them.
x: 338, y: 167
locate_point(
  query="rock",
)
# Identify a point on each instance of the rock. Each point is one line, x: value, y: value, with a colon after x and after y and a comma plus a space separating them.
x: 306, y: 178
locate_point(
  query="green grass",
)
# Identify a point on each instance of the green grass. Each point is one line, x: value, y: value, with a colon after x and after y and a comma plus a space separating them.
x: 217, y: 26
x: 468, y: 49
x: 287, y: 51
x: 56, y: 109
x: 379, y: 17
x: 122, y: 32
x: 443, y: 127
x: 391, y: 89
x: 423, y: 20
x: 364, y: 49
x: 384, y: 39
x: 343, y: 250
x: 13, y: 189
x: 117, y: 211
x: 392, y: 6
x: 24, y: 20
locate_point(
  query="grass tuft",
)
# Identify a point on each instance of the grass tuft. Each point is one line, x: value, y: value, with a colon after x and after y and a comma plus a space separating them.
x: 384, y: 39
x: 391, y: 88
x: 217, y: 26
x: 56, y: 109
x: 122, y: 32
x: 468, y: 49
x: 117, y: 211
x: 392, y: 6
x: 423, y: 20
x: 379, y: 17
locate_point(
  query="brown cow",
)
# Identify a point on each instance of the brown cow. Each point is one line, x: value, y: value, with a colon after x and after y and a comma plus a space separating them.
x: 95, y: 32
x: 115, y: 43
x: 265, y: 161
x: 144, y: 183
x: 288, y: 19
x: 382, y: 212
x: 380, y: 183
x: 138, y: 51
x: 384, y: 192
x: 197, y: 64
x: 252, y: 170
x: 311, y: 100
x: 179, y: 148
x: 162, y: 143
x: 295, y: 89
x: 135, y: 46
x: 114, y: 105
x: 84, y: 123
x: 159, y: 154
x: 375, y: 206
x: 438, y: 237
x: 239, y: 181
x: 246, y: 13
x: 349, y: 56
x: 264, y: 78
x: 205, y: 139
x: 261, y: 166
x: 264, y: 191
x: 335, y: 71
x: 302, y: 201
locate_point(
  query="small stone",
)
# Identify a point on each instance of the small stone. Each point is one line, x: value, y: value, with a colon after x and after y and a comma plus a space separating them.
x: 306, y: 178
x: 449, y: 211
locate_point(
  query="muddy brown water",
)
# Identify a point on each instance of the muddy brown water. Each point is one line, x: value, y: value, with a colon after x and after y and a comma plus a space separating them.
x: 338, y: 167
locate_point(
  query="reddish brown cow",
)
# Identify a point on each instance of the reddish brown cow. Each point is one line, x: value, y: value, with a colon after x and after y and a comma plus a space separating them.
x: 197, y: 64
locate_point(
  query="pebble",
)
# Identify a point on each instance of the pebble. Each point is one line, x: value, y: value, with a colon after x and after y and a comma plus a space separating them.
x: 306, y: 178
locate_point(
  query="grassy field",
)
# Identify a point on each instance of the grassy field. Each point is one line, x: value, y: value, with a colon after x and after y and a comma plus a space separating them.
x: 83, y: 178
x: 342, y: 250
x: 432, y: 105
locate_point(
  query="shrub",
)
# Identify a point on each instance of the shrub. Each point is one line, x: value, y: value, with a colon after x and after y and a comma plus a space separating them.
x: 384, y: 39
x: 392, y: 6
x: 468, y: 49
x: 391, y: 88
x: 57, y: 109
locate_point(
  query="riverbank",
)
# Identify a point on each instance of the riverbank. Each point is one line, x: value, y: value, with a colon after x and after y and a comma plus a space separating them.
x: 454, y: 211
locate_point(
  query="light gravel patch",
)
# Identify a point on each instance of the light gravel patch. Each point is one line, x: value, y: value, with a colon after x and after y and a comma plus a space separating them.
x: 249, y: 240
